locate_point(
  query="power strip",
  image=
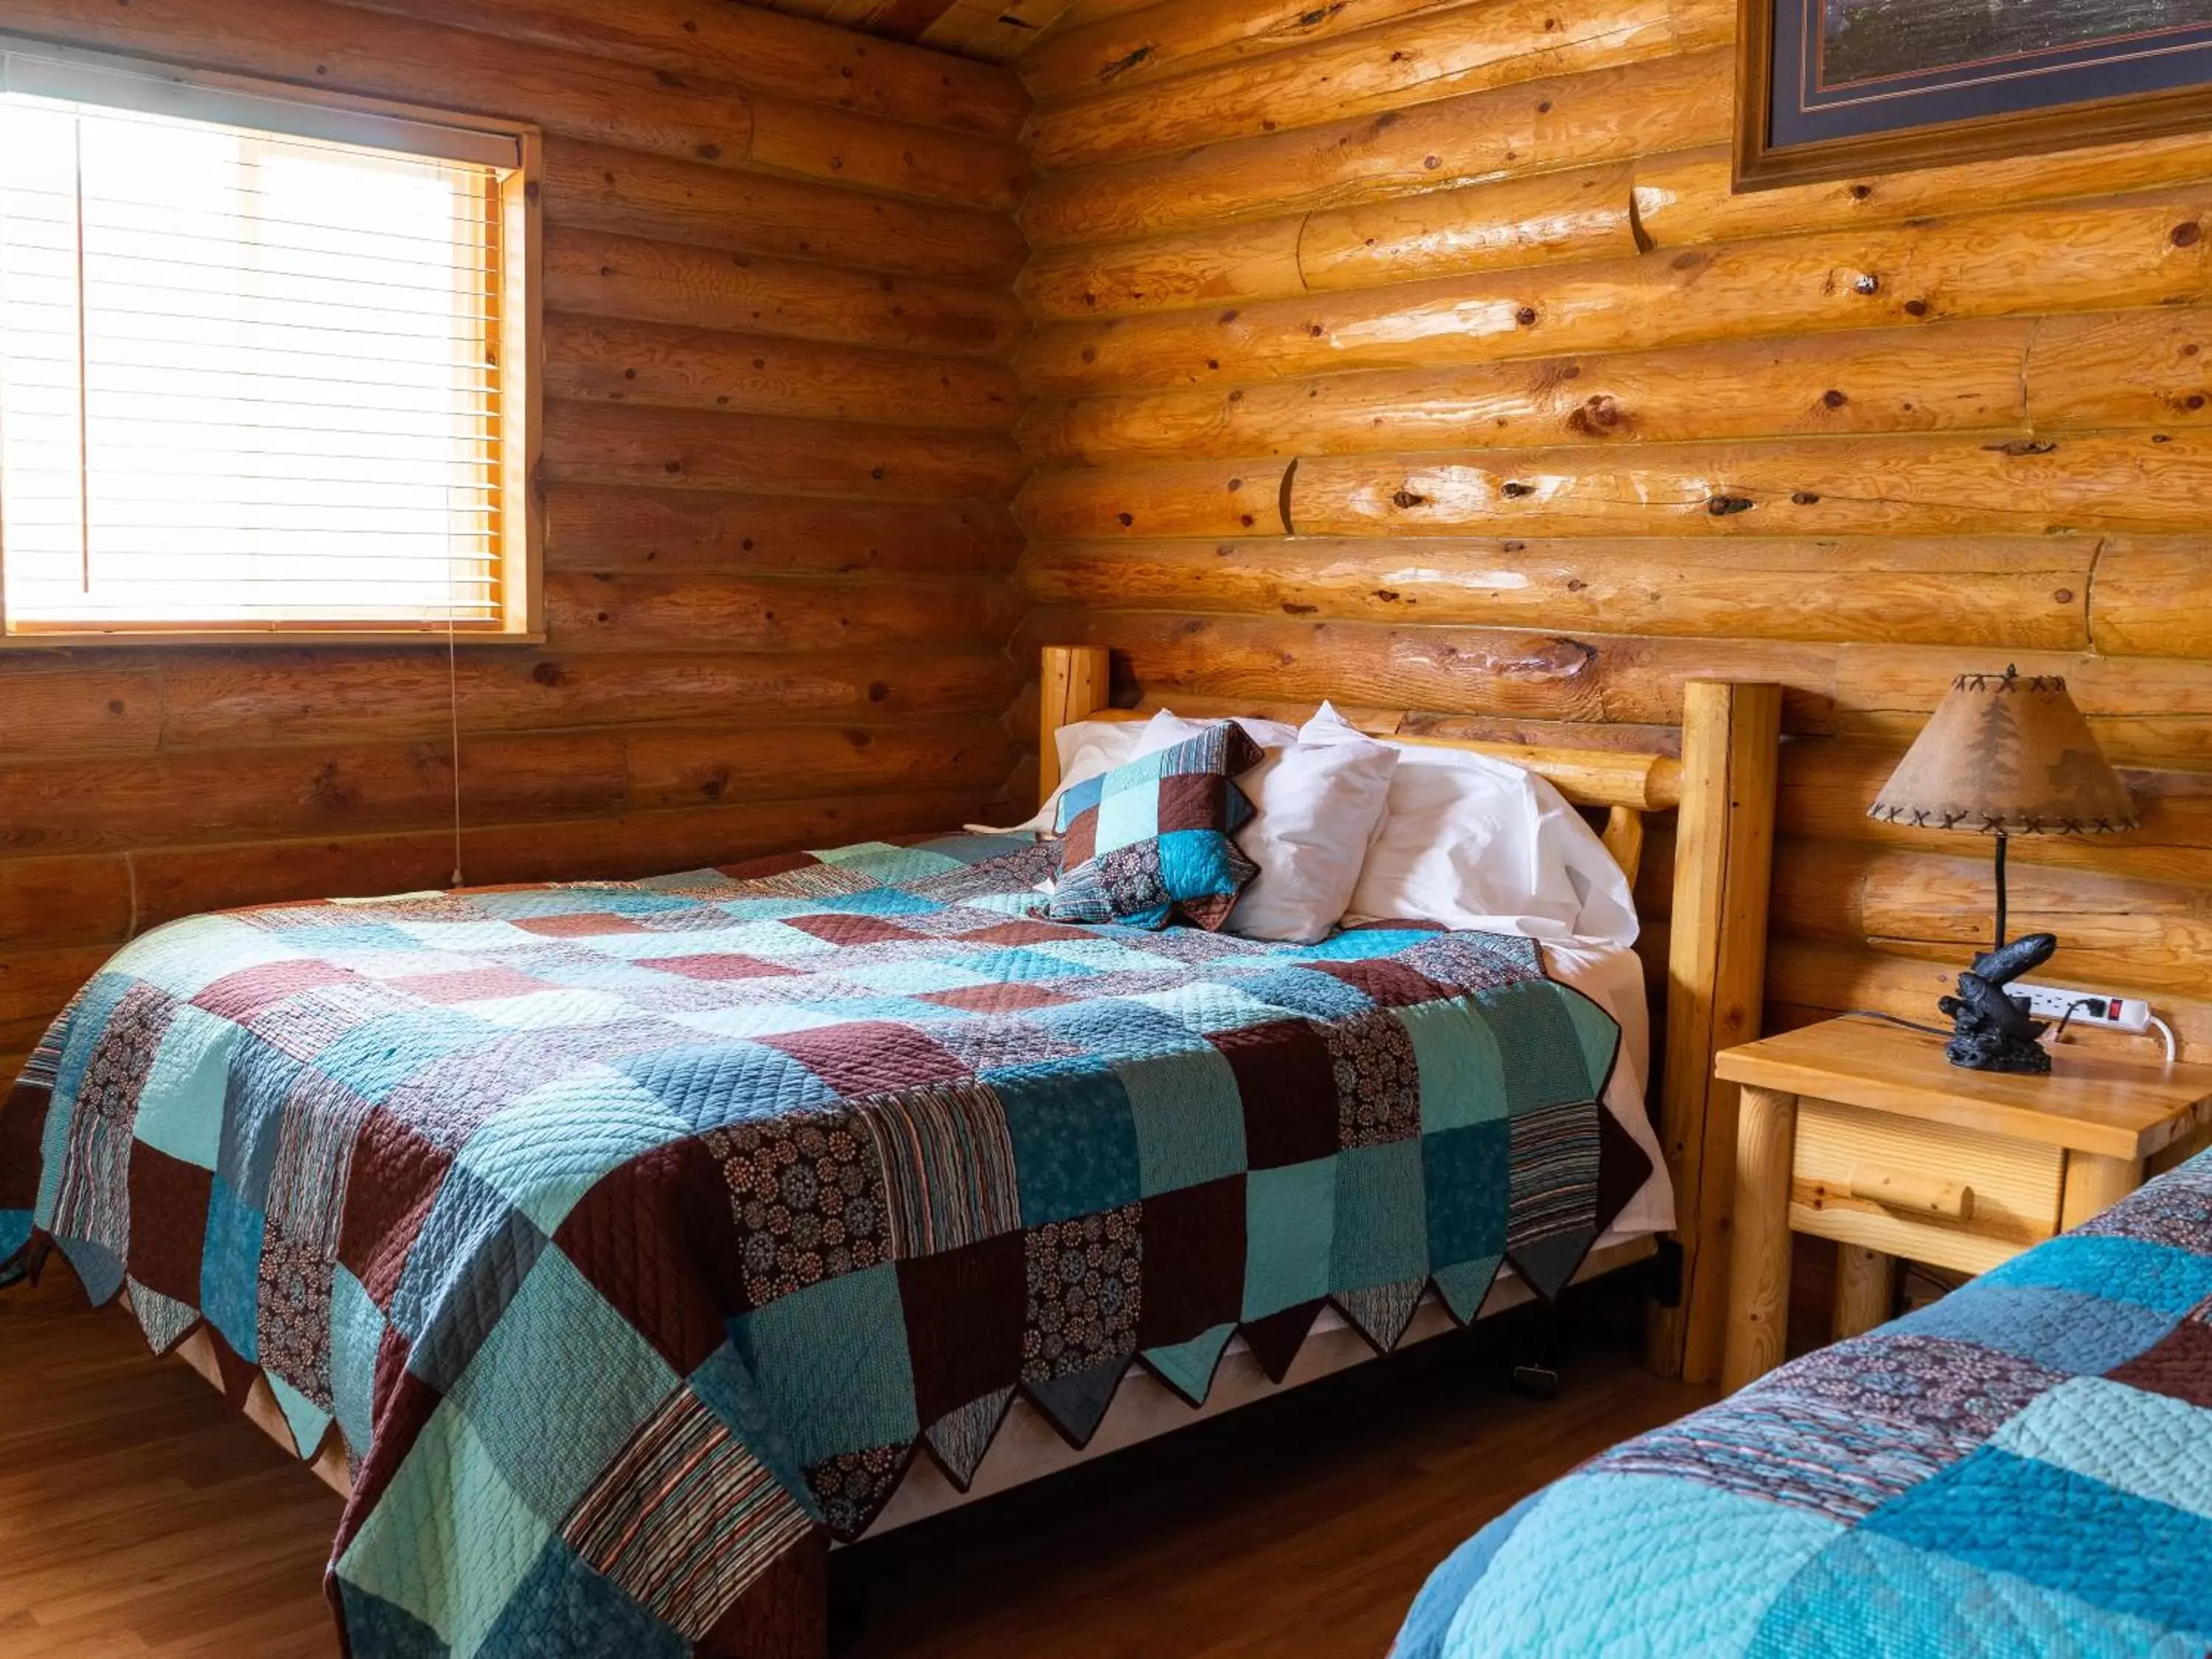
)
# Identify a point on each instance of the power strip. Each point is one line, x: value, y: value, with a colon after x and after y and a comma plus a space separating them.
x: 2099, y: 1008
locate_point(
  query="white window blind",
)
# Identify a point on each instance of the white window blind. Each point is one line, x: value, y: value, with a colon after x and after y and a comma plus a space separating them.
x: 249, y: 361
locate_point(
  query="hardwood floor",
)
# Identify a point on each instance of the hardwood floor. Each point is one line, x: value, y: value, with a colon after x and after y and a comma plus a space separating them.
x: 138, y: 1516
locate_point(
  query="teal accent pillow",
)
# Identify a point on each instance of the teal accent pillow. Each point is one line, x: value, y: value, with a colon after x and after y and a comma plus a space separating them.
x: 1150, y: 839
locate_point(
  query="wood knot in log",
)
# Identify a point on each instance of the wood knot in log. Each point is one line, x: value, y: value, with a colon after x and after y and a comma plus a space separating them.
x: 2022, y: 447
x: 1597, y: 416
x: 1722, y: 506
x: 1125, y: 62
x: 1551, y: 660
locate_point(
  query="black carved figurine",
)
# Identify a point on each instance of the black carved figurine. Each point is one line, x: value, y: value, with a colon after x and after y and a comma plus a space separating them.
x: 1990, y: 1029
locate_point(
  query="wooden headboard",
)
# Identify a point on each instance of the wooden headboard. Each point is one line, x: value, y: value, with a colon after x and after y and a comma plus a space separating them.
x: 1722, y: 791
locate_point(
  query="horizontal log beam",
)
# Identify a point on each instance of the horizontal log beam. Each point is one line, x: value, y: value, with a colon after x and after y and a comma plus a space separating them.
x: 650, y: 614
x: 2147, y: 483
x: 764, y: 50
x: 341, y: 48
x: 72, y: 704
x: 663, y: 366
x: 2144, y: 368
x: 1208, y: 498
x: 2005, y: 592
x: 2104, y: 256
x: 595, y: 274
x: 1609, y: 114
x: 1498, y: 671
x: 1827, y: 787
x: 1257, y: 260
x: 1584, y: 213
x: 814, y: 141
x: 677, y: 766
x: 664, y: 198
x: 1963, y: 376
x: 1150, y: 42
x: 228, y: 700
x: 1687, y: 199
x: 571, y: 95
x: 1387, y: 69
x: 2151, y: 598
x: 2147, y: 711
x: 65, y: 901
x: 1545, y: 218
x: 87, y: 804
x: 595, y: 444
x: 625, y: 527
x: 2116, y: 931
x: 183, y: 799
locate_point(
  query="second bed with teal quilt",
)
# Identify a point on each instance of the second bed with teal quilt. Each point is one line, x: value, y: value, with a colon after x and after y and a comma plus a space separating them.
x: 2022, y: 1470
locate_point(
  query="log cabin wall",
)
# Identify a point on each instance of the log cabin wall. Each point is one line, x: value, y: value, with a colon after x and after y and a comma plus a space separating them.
x: 1420, y: 354
x: 779, y: 260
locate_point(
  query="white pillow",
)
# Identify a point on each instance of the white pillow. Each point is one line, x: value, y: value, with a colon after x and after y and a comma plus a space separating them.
x: 1473, y: 843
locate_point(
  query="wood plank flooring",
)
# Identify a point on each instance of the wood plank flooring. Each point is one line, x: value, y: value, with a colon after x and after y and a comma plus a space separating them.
x: 139, y: 1517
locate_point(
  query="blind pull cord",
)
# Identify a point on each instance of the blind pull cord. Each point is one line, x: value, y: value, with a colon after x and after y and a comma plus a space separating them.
x: 453, y: 713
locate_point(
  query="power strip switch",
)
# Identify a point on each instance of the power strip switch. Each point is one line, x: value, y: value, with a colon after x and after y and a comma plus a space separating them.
x: 2103, y: 1009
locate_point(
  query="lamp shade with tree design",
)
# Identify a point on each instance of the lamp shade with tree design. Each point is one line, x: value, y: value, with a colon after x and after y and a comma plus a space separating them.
x: 2005, y: 754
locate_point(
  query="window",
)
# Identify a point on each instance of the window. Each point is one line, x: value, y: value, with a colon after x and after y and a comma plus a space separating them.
x: 264, y: 362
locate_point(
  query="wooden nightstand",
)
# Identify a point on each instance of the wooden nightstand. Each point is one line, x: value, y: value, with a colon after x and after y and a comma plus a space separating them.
x: 1861, y: 1131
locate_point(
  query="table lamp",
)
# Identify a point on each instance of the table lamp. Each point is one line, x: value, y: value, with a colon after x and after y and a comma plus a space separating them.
x: 2004, y: 754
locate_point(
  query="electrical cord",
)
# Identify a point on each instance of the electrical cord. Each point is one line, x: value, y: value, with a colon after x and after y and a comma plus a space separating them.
x: 1892, y: 1019
x: 2165, y: 1030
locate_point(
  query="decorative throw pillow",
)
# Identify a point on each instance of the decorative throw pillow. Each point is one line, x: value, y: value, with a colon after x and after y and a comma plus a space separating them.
x: 1150, y: 838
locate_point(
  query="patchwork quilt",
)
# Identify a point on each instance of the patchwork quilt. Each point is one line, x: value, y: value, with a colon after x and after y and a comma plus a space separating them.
x: 2023, y: 1469
x: 629, y: 1235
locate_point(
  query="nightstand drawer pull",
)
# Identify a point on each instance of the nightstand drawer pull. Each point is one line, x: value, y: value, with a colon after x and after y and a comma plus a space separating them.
x: 1949, y: 1200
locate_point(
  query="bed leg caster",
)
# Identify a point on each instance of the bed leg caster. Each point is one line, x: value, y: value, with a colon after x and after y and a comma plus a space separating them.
x: 1537, y: 1377
x: 1535, y: 1382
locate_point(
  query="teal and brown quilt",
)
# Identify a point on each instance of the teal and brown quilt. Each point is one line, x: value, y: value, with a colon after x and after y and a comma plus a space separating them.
x: 628, y: 1235
x: 2021, y: 1470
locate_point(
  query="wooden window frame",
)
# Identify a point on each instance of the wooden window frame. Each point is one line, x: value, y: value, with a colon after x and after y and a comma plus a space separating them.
x: 517, y: 311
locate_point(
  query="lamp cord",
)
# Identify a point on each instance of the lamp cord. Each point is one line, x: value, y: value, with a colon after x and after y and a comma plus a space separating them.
x: 1892, y: 1019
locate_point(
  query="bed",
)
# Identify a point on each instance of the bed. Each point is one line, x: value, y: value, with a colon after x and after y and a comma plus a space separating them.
x: 616, y: 1246
x: 2023, y: 1469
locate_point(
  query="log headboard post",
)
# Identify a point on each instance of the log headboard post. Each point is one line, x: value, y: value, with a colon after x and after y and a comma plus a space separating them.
x: 1715, y: 980
x: 1074, y: 682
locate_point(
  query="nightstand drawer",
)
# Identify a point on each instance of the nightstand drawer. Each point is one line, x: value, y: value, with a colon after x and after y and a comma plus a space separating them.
x: 1956, y: 1198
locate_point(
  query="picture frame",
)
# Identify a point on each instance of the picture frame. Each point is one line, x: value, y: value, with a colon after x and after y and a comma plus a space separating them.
x: 1936, y: 82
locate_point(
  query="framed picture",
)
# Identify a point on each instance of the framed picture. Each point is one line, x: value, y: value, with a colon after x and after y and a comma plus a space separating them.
x: 1831, y: 89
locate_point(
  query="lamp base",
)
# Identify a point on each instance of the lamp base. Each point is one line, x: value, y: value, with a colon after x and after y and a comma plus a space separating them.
x: 1990, y: 1030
